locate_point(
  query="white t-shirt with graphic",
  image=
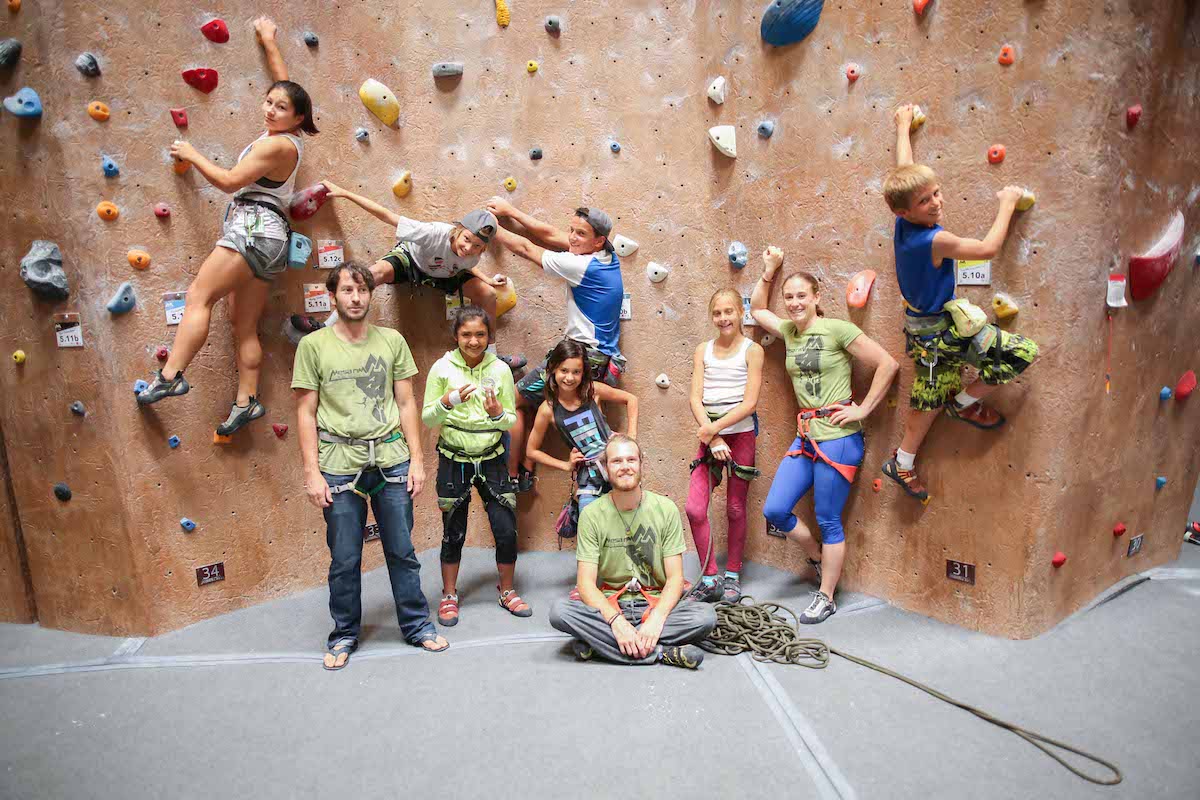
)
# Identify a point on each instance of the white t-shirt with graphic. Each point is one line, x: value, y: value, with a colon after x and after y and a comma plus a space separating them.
x: 594, y: 292
x: 429, y: 245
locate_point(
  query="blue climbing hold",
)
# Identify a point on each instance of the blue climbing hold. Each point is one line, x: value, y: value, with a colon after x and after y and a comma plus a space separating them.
x: 187, y: 524
x: 111, y: 170
x: 123, y: 301
x: 173, y: 441
x: 25, y: 103
x: 362, y: 134
x: 1165, y: 393
x: 789, y: 21
x: 615, y: 146
x: 536, y: 154
x: 140, y: 386
x: 1159, y: 482
x: 738, y: 254
x: 299, y: 249
x: 766, y: 128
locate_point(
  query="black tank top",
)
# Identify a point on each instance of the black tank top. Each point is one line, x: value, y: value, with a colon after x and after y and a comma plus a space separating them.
x: 586, y: 430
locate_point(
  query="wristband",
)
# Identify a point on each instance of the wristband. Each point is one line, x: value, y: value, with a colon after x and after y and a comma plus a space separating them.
x: 455, y: 399
x: 614, y: 618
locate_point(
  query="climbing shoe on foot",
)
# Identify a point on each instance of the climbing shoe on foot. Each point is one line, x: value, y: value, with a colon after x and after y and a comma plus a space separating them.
x: 515, y: 363
x: 525, y: 480
x: 731, y: 590
x: 820, y: 609
x: 687, y: 656
x: 706, y: 592
x: 907, y: 478
x: 160, y: 387
x: 305, y: 324
x: 976, y: 414
x: 582, y: 650
x: 816, y: 565
x: 240, y: 416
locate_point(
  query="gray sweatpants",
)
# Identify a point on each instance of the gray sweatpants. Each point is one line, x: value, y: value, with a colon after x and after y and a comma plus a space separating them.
x: 689, y: 622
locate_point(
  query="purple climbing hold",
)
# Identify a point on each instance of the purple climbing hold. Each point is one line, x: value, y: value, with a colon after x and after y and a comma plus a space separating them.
x: 10, y: 53
x: 62, y: 491
x: 42, y: 271
x: 308, y: 201
x: 88, y: 65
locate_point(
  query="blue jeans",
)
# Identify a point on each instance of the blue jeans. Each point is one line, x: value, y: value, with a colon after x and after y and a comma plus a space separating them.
x: 344, y: 523
x: 797, y: 474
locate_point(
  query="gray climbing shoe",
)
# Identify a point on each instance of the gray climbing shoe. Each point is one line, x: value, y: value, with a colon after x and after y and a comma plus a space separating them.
x: 820, y: 609
x: 582, y: 650
x: 687, y: 656
x: 240, y: 416
x: 160, y: 387
x: 706, y: 592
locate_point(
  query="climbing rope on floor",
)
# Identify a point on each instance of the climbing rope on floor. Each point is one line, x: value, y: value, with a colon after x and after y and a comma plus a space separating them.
x: 763, y: 631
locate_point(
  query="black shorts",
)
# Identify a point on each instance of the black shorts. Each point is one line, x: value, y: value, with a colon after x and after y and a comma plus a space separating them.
x: 406, y: 271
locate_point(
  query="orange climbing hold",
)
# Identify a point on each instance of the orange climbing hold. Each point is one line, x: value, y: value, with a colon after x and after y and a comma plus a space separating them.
x: 996, y: 154
x: 1007, y: 55
x: 14, y: 5
x: 138, y: 259
x: 180, y: 166
x: 98, y: 111
x: 877, y: 484
x: 919, y: 6
x: 219, y: 439
x: 859, y: 288
x: 107, y: 210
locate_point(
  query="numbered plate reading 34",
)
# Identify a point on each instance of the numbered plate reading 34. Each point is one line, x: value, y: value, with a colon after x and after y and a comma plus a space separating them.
x: 960, y: 571
x: 210, y: 573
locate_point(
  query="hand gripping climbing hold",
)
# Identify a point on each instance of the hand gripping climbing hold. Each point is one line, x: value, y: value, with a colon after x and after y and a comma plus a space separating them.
x: 853, y: 72
x: 179, y: 166
x: 1026, y: 200
x: 766, y: 128
x: 173, y: 441
x: 162, y: 353
x: 918, y: 119
x: 10, y: 53
x: 179, y: 117
x: 77, y: 409
x: 553, y: 25
x: 995, y: 154
x: 1159, y: 482
x: 98, y: 111
x: 403, y: 184
x: 656, y: 272
x: 1149, y: 270
x: 88, y: 65
x: 25, y: 103
x: 919, y: 6
x: 1004, y: 306
x: 62, y: 492
x: 187, y: 524
x: 1185, y: 385
x: 531, y: 66
x: 506, y: 298
x: 308, y: 201
x: 123, y: 300
x: 1007, y: 55
x: 162, y: 210
x: 139, y: 386
x: 789, y: 21
x: 1119, y: 529
x: 535, y: 154
x: 299, y: 249
x: 859, y: 288
x: 738, y: 254
x: 311, y: 39
x: 109, y: 167
x: 107, y: 210
x: 662, y: 381
x: 362, y: 134
x: 201, y: 78
x: 42, y: 271
x: 18, y: 357
x: 280, y: 429
x: 615, y: 146
x: 724, y: 138
x: 1059, y: 559
x: 448, y: 69
x: 503, y: 15
x: 380, y: 101
x: 215, y: 30
x: 716, y: 90
x: 624, y: 246
x: 1132, y: 115
x: 510, y: 183
x: 139, y: 259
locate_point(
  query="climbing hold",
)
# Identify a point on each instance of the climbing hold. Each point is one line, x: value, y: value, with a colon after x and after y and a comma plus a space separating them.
x: 853, y: 71
x: 503, y: 16
x: 859, y: 288
x: 919, y: 6
x: 877, y: 484
x: 14, y: 5
x: 766, y: 128
x: 123, y: 301
x: 77, y: 409
x: 1164, y: 393
x: 724, y: 137
x: 615, y: 146
x: 531, y: 66
x: 162, y: 210
x: 179, y: 166
x: 109, y: 167
x: 716, y: 90
x: 201, y: 78
x: 506, y: 298
x: 656, y: 272
x: 98, y: 111
x: 1119, y: 529
x: 215, y: 30
x: 88, y: 65
x: 362, y: 134
x: 162, y: 353
x: 448, y: 69
x: 42, y: 271
x: 662, y: 380
x: 25, y: 103
x: 1007, y: 55
x: 18, y: 356
x: 1132, y: 115
x: 1185, y: 385
x: 1027, y: 200
x: 219, y: 439
x: 62, y: 491
x: 767, y: 340
x: 1004, y: 306
x: 280, y: 429
x: 789, y: 21
x: 311, y: 39
x: 1059, y: 559
x: 179, y: 117
x: 139, y: 386
x: 995, y: 154
x: 173, y: 441
x: 918, y: 119
x: 380, y: 101
x: 1148, y: 271
x: 10, y: 53
x: 738, y: 254
x: 1159, y: 482
x: 308, y: 201
x: 299, y: 249
x: 553, y: 24
x: 140, y: 259
x: 510, y: 183
x: 535, y: 154
x: 624, y: 246
x: 403, y: 184
x: 187, y: 524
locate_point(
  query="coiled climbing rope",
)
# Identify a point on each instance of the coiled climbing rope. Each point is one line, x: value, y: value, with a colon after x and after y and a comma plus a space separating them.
x: 763, y: 631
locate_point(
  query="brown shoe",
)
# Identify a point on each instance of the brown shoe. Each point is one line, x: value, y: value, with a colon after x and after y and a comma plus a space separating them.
x: 907, y: 478
x: 976, y: 414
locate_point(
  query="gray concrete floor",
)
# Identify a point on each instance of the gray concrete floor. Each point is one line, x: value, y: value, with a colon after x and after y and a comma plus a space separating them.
x: 239, y: 705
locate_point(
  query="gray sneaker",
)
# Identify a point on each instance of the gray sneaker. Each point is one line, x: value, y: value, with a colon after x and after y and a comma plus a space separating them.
x: 687, y: 656
x: 160, y: 387
x: 820, y: 609
x: 706, y: 592
x: 239, y: 416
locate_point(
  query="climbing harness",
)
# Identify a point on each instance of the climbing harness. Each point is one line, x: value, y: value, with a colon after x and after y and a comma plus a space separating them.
x: 635, y: 586
x: 483, y: 455
x: 805, y: 416
x: 718, y: 469
x: 352, y: 486
x: 928, y: 335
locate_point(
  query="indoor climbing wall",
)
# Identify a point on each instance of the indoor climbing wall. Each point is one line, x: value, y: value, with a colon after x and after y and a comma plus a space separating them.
x: 616, y: 99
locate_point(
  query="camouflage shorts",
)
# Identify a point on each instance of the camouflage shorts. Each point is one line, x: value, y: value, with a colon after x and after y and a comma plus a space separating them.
x: 934, y: 386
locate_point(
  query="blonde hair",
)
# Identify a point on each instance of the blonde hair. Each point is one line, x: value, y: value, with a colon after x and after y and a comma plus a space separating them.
x: 729, y: 293
x: 904, y: 182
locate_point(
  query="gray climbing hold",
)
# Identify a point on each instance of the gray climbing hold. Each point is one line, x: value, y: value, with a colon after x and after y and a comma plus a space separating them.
x: 536, y: 154
x: 362, y: 134
x: 111, y: 170
x: 10, y: 53
x: 448, y: 69
x: 62, y: 491
x: 738, y: 254
x: 88, y: 65
x: 553, y: 24
x: 77, y: 409
x: 42, y: 271
x: 123, y: 301
x: 25, y: 103
x: 311, y: 39
x: 766, y: 128
x: 615, y: 146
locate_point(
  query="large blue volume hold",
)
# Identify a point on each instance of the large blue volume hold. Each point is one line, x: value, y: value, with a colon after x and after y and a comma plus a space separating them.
x: 789, y: 21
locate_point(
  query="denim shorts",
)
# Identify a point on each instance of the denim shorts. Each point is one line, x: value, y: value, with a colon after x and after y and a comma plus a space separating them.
x: 259, y: 235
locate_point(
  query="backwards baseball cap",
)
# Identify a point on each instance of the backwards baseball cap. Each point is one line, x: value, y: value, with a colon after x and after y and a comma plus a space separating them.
x: 601, y: 223
x: 480, y: 222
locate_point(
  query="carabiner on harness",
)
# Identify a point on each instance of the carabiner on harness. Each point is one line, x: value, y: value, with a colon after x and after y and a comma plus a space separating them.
x: 352, y: 486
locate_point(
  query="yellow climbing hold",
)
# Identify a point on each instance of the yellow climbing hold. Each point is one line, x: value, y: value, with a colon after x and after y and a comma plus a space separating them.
x: 918, y: 118
x: 531, y: 66
x: 1004, y: 306
x: 18, y: 356
x: 503, y: 16
x: 1027, y: 200
x: 506, y: 298
x: 403, y: 184
x: 380, y: 101
x: 510, y: 183
x: 138, y: 259
x: 97, y: 111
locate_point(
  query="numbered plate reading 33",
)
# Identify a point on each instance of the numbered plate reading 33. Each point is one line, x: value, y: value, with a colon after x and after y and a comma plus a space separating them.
x: 210, y: 573
x: 960, y: 571
x: 974, y: 273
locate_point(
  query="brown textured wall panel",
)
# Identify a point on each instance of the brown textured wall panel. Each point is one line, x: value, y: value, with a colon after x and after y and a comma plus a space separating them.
x: 1071, y: 462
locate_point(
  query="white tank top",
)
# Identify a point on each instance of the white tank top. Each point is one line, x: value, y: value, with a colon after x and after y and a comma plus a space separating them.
x: 725, y: 384
x: 264, y: 188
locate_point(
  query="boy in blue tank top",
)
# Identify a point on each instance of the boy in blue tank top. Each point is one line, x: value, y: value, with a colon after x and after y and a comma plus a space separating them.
x: 925, y: 270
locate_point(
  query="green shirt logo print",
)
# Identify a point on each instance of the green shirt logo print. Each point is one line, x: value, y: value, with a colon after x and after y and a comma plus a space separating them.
x: 808, y: 359
x: 373, y: 384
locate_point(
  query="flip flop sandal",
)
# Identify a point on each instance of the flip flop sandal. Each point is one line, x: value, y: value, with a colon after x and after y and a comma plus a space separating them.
x: 961, y: 414
x: 429, y: 636
x: 446, y: 608
x: 345, y: 646
x: 511, y: 602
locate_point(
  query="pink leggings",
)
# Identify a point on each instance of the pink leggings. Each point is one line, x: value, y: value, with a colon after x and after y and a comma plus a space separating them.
x: 699, y: 493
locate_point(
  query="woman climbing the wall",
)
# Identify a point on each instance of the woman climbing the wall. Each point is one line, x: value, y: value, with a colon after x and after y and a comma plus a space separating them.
x: 470, y: 396
x: 829, y: 443
x: 726, y: 375
x: 253, y: 247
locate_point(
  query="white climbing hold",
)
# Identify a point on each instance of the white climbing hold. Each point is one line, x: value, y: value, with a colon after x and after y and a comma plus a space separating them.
x: 656, y: 272
x: 716, y: 90
x: 724, y: 138
x: 624, y: 246
x: 663, y: 381
x: 738, y: 254
x: 767, y: 340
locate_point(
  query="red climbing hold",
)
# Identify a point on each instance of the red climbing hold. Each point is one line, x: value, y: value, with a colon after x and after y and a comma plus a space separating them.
x: 1149, y: 270
x: 203, y: 79
x: 995, y: 154
x: 852, y: 72
x: 919, y: 6
x: 307, y: 202
x: 877, y: 484
x: 1007, y: 55
x: 179, y: 117
x: 1059, y: 559
x: 279, y: 428
x: 215, y: 30
x: 1132, y: 115
x: 162, y: 211
x: 1186, y: 385
x: 162, y: 353
x: 1119, y: 529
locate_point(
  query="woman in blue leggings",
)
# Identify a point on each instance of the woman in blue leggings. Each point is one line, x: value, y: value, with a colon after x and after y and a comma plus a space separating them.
x: 829, y: 442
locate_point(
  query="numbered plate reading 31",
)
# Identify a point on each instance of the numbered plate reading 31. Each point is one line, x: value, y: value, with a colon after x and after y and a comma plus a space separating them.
x: 960, y: 571
x: 210, y: 573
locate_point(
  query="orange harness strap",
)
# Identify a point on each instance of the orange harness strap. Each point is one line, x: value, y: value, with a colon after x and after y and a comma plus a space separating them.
x: 634, y: 585
x: 802, y: 419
